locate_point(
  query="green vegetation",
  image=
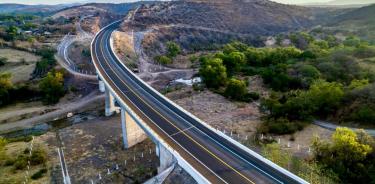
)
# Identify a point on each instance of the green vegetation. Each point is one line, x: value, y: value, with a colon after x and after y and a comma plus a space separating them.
x: 5, y: 86
x: 10, y: 93
x: 213, y: 72
x: 52, y: 86
x: 38, y: 156
x: 321, y: 78
x: 47, y: 62
x: 236, y: 89
x: 3, y: 60
x: 164, y: 60
x: 173, y: 49
x: 306, y: 169
x: 350, y: 155
x: 39, y: 174
x: 15, y: 163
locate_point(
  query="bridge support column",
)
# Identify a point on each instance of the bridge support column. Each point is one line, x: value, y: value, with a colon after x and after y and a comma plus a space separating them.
x: 132, y: 134
x: 166, y: 158
x: 110, y: 106
x: 101, y: 86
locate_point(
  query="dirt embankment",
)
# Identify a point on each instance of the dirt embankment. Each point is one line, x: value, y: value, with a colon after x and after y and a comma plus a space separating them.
x: 124, y: 45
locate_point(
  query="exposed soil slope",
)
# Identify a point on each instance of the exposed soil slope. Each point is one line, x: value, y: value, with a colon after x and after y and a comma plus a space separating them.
x: 259, y: 17
x: 206, y: 24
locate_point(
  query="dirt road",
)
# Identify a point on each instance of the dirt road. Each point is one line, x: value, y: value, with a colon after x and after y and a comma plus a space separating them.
x: 62, y: 111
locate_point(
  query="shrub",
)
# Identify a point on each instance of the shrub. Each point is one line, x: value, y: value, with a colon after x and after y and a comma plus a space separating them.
x: 5, y: 86
x: 173, y: 49
x: 53, y: 87
x: 236, y: 89
x: 364, y: 114
x: 214, y: 73
x: 281, y: 126
x: 26, y: 138
x: 38, y: 156
x: 9, y: 162
x: 20, y: 162
x: 252, y: 96
x: 164, y: 60
x: 3, y: 60
x: 39, y: 174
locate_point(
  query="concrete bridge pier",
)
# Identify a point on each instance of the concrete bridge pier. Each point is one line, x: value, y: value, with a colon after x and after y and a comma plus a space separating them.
x: 110, y: 106
x: 101, y: 86
x: 132, y: 134
x: 166, y: 158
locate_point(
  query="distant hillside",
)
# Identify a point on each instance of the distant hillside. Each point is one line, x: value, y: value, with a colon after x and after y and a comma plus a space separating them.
x: 42, y: 10
x: 349, y: 2
x: 341, y: 3
x: 359, y: 21
x: 241, y: 16
x: 364, y: 15
x: 90, y: 8
x: 205, y: 24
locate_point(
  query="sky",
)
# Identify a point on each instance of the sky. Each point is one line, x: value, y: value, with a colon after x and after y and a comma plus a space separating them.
x: 122, y: 1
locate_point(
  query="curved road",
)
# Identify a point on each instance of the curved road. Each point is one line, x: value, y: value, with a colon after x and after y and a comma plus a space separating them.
x: 216, y: 158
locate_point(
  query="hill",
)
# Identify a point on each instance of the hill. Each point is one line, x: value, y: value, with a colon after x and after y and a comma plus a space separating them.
x: 240, y: 16
x: 359, y: 21
x: 92, y: 8
x: 42, y: 10
x: 341, y: 3
x: 197, y: 24
x: 350, y: 2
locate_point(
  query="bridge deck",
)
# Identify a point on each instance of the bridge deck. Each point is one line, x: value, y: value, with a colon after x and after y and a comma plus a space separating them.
x: 216, y: 158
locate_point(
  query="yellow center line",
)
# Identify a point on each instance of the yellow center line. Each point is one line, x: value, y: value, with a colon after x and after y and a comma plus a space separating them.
x: 208, y: 151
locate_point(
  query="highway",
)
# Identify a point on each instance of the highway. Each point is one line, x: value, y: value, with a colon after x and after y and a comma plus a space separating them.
x: 214, y: 157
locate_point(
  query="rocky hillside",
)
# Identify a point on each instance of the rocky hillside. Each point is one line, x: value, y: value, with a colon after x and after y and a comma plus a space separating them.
x: 259, y: 17
x: 204, y: 24
x: 359, y: 22
x: 42, y: 10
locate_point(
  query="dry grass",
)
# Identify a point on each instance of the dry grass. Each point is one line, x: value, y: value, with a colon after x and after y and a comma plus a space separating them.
x: 9, y: 175
x: 20, y: 72
x: 124, y: 44
x: 20, y: 64
x: 17, y: 56
x: 18, y: 111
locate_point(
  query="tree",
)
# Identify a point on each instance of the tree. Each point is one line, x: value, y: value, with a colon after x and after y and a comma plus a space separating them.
x: 352, y: 41
x: 233, y: 61
x: 348, y: 155
x: 236, y: 89
x: 173, y: 49
x: 307, y: 73
x: 52, y: 87
x: 255, y: 57
x: 321, y: 99
x: 214, y: 73
x: 325, y: 96
x: 12, y: 33
x: 3, y: 60
x: 164, y: 60
x: 5, y: 86
x: 358, y: 84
